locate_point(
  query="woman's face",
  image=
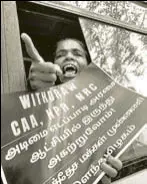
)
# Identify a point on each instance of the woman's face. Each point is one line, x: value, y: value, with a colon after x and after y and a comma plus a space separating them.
x: 71, y: 57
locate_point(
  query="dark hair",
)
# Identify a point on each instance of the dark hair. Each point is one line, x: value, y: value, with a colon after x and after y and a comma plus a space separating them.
x: 82, y: 44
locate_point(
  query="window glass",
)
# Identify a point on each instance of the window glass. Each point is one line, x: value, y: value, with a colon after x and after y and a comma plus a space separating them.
x: 121, y: 53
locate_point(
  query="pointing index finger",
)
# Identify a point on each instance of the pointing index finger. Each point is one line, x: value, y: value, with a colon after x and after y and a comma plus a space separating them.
x: 31, y: 50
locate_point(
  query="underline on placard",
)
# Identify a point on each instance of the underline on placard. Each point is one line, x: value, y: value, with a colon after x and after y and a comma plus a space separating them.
x: 3, y: 176
x: 20, y: 137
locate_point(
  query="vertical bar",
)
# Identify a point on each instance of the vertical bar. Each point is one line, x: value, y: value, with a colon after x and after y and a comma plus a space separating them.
x: 13, y: 73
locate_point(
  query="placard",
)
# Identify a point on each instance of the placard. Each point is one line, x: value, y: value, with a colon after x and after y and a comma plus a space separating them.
x: 62, y: 135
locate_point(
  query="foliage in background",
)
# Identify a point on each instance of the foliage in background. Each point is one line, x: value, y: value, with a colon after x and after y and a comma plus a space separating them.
x: 121, y: 53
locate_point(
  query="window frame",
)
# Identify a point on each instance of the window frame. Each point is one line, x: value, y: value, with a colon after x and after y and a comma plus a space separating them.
x: 13, y: 57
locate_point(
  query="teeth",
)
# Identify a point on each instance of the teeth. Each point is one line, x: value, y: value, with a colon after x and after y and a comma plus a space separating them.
x: 70, y: 69
x: 73, y: 72
x: 69, y: 75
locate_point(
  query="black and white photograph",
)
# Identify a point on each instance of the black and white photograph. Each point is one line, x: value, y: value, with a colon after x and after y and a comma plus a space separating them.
x: 73, y: 92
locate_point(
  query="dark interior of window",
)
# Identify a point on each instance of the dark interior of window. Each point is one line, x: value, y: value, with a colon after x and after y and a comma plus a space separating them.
x: 45, y: 26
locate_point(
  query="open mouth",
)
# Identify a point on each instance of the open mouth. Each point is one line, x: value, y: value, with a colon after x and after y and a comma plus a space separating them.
x: 70, y: 70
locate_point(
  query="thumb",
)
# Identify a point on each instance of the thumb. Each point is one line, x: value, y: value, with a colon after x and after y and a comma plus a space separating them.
x: 58, y: 70
x: 30, y: 48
